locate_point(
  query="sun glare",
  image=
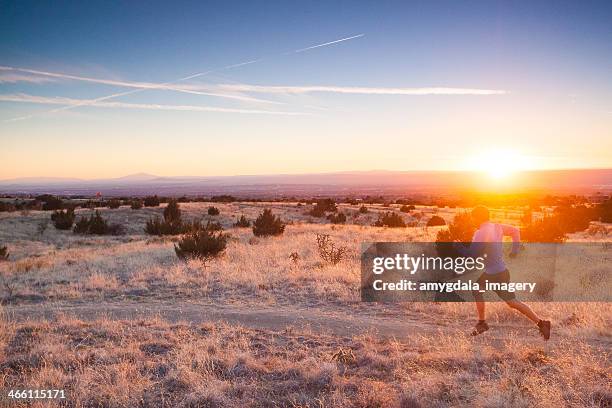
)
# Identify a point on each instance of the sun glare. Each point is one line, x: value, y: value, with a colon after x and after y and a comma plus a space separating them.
x: 498, y: 164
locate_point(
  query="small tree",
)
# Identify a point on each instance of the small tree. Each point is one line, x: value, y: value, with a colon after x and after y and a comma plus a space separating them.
x: 436, y: 221
x: 172, y: 212
x: 212, y: 226
x: 363, y: 209
x: 203, y: 244
x: 96, y: 225
x: 213, y: 211
x: 82, y: 226
x: 63, y: 220
x: 136, y: 204
x: 268, y: 224
x: 407, y: 208
x: 461, y: 229
x: 544, y: 230
x: 4, y: 254
x: 605, y: 211
x: 114, y: 204
x: 172, y: 223
x: 242, y: 222
x: 339, y: 218
x: 390, y: 219
x: 324, y: 205
x: 151, y: 201
x: 50, y: 203
x: 316, y: 212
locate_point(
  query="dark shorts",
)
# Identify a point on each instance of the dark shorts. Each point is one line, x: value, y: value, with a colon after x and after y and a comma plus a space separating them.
x: 502, y: 277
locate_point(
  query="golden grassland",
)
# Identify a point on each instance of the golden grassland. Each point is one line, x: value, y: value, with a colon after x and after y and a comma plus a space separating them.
x: 153, y: 362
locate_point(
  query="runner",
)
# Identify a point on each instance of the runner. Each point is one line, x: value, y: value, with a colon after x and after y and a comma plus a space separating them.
x: 488, y: 240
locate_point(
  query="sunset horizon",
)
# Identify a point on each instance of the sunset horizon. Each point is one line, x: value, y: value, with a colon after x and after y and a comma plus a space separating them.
x: 330, y: 204
x: 271, y: 97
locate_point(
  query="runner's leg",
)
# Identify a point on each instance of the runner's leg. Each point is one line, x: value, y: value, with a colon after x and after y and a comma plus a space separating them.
x: 524, y: 309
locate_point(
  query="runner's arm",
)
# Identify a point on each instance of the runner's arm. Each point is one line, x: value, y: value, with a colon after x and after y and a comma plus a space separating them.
x: 515, y: 233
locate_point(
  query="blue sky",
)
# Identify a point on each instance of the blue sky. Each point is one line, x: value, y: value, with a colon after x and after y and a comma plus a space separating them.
x: 533, y: 79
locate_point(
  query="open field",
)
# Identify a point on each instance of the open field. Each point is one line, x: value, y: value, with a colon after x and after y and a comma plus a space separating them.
x: 120, y: 321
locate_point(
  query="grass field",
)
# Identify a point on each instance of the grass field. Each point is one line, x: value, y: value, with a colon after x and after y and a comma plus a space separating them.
x: 367, y: 355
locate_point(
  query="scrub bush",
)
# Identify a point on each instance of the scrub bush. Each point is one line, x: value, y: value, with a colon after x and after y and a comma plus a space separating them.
x: 268, y: 224
x: 390, y: 219
x: 63, y: 220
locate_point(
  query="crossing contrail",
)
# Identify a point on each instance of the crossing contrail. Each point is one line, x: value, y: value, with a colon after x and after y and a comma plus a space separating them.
x: 25, y: 98
x: 132, y: 84
x: 142, y: 88
x: 329, y: 43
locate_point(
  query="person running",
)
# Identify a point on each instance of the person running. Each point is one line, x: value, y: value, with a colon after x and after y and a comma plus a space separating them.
x: 488, y: 240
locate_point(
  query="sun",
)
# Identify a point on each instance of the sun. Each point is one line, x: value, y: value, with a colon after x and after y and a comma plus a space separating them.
x: 498, y: 164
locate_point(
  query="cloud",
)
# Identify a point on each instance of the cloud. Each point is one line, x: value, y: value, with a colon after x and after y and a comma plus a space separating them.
x: 70, y: 102
x: 359, y: 90
x: 329, y: 43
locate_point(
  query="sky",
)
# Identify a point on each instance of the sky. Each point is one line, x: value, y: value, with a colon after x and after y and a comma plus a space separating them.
x: 105, y: 89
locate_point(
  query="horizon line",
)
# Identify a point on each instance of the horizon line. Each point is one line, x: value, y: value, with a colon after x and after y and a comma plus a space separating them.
x: 4, y: 180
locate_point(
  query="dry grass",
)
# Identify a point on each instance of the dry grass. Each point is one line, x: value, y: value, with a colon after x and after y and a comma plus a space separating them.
x: 151, y: 363
x: 59, y: 265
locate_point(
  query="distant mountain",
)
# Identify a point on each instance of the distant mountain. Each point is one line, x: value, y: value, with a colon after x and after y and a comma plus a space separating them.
x: 137, y: 177
x: 340, y: 183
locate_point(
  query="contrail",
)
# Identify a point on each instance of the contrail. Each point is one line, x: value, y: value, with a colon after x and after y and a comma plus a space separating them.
x: 25, y: 98
x: 359, y: 90
x: 13, y: 78
x: 328, y: 43
x: 199, y: 74
x: 139, y: 85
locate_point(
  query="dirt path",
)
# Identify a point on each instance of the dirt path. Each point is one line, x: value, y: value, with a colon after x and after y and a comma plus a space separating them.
x: 269, y: 318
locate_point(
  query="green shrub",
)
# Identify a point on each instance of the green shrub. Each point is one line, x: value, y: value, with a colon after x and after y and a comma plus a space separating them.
x: 268, y: 224
x: 172, y: 223
x: 436, y: 221
x: 605, y: 211
x: 136, y: 204
x: 91, y: 204
x: 4, y: 254
x: 390, y: 219
x: 363, y: 209
x: 63, y: 220
x: 575, y: 218
x: 202, y: 243
x: 461, y: 229
x: 213, y: 211
x: 547, y: 229
x: 151, y: 201
x: 114, y: 204
x: 316, y: 212
x: 51, y: 203
x: 172, y: 212
x: 96, y: 225
x: 326, y: 205
x: 242, y: 222
x: 339, y: 218
x: 407, y: 208
x: 211, y: 226
x: 224, y: 198
x: 6, y: 207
